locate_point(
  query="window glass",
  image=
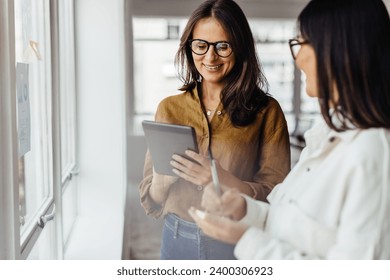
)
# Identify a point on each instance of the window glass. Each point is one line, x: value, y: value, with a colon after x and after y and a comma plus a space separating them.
x: 32, y: 43
x: 155, y: 44
x: 273, y: 51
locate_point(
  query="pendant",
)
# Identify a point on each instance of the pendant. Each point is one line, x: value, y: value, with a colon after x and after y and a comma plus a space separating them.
x: 208, y: 113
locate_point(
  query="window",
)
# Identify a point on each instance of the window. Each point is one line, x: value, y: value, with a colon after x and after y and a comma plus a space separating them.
x: 39, y: 148
x: 271, y: 41
x: 155, y: 45
x: 33, y: 57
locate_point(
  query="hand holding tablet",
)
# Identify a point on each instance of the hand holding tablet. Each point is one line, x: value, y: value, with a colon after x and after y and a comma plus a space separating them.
x: 164, y: 140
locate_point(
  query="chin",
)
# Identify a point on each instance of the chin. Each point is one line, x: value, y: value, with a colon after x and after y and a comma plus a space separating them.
x: 311, y: 93
x: 212, y: 79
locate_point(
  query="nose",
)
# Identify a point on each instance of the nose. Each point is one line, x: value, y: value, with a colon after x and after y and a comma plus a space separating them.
x: 211, y: 54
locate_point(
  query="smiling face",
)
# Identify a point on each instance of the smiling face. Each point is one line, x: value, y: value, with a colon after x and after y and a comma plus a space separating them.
x: 307, y: 62
x: 211, y: 66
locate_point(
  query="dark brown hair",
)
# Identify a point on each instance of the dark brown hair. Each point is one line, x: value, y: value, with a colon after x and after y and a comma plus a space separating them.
x: 243, y: 95
x: 351, y: 40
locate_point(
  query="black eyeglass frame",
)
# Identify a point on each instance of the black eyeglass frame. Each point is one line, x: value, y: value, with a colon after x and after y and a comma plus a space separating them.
x: 215, y: 44
x: 295, y: 42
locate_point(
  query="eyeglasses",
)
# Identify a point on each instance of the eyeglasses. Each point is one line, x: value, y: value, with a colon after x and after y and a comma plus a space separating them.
x: 295, y: 46
x: 201, y: 47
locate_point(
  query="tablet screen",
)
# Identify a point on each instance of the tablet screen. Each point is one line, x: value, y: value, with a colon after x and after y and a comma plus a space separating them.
x: 164, y: 140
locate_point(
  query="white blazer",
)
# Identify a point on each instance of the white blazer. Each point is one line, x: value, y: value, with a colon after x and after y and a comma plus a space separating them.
x: 334, y: 204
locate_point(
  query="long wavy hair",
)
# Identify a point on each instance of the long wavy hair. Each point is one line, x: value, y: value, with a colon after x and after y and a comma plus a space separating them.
x: 245, y: 91
x: 351, y: 41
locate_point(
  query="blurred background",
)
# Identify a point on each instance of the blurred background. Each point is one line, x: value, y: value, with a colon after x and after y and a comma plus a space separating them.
x: 77, y: 79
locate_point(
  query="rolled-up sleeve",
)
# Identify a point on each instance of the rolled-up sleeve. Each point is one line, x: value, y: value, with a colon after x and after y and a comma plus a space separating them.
x: 151, y: 207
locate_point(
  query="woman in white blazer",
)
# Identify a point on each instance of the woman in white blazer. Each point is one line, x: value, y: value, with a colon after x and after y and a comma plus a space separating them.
x: 335, y: 203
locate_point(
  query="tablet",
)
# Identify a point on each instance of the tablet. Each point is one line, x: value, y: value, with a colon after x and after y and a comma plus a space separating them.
x: 164, y: 140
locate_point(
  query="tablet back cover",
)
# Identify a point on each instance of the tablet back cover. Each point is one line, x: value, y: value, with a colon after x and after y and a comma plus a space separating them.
x: 164, y: 140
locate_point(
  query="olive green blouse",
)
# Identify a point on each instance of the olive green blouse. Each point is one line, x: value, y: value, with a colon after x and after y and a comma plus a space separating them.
x: 258, y: 154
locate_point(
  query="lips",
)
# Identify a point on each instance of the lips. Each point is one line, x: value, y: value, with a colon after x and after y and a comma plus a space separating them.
x: 212, y: 67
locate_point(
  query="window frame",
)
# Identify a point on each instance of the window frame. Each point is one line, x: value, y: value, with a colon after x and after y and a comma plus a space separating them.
x: 9, y: 198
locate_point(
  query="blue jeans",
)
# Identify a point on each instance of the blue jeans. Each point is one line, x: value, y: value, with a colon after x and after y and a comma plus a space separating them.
x: 183, y: 240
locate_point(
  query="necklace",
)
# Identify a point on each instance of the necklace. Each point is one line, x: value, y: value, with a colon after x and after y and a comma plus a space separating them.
x: 209, y: 112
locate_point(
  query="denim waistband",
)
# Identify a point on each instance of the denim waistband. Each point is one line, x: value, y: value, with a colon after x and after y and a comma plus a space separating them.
x: 182, y: 227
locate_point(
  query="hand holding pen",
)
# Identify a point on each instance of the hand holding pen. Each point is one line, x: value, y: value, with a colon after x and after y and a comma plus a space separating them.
x: 199, y: 171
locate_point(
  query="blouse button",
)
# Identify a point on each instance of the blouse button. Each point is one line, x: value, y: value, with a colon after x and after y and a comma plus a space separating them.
x: 331, y: 139
x: 200, y: 188
x: 308, y: 169
x: 219, y: 113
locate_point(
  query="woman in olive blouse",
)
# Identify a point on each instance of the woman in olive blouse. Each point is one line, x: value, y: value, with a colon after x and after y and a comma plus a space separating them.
x: 225, y: 99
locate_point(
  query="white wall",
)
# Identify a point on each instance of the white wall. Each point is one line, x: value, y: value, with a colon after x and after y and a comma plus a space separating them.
x: 102, y: 131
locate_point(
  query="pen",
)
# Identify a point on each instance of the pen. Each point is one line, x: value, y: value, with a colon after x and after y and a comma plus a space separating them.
x: 214, y: 175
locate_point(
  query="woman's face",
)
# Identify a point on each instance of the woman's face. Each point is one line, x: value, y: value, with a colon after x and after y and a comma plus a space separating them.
x: 307, y: 62
x: 210, y: 65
